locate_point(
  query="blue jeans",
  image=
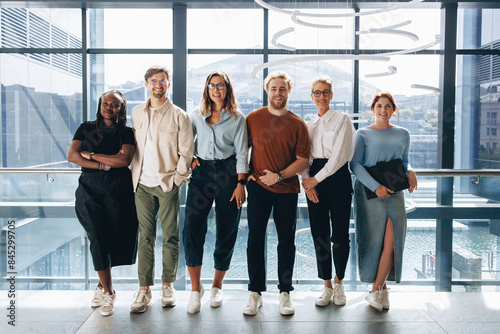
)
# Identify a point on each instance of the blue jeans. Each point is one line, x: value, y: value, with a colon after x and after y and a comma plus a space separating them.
x: 260, y: 203
x: 213, y: 180
x: 371, y: 220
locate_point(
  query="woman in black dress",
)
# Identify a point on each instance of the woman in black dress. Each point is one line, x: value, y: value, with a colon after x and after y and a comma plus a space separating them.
x: 104, y: 198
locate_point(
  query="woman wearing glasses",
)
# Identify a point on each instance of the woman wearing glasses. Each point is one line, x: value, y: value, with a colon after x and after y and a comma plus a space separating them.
x: 327, y: 183
x: 218, y: 174
x: 105, y: 198
x: 380, y: 221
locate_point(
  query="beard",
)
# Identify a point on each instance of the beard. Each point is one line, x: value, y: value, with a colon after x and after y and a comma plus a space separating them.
x: 159, y: 95
x: 278, y: 105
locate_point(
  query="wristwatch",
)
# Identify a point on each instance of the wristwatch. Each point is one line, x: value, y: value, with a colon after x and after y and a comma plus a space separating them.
x: 280, y: 177
x: 243, y: 182
x: 91, y: 154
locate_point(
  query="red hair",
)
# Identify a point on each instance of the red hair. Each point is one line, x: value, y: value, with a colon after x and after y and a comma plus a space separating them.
x: 378, y: 96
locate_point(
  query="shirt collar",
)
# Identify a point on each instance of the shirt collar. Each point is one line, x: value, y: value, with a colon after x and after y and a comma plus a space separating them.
x: 329, y: 113
x: 162, y: 109
x: 223, y: 114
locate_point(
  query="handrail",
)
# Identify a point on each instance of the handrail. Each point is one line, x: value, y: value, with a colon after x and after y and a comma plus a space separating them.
x: 419, y: 172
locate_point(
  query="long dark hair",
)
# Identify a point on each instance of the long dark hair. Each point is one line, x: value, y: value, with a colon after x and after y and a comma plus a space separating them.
x: 229, y: 102
x: 121, y: 120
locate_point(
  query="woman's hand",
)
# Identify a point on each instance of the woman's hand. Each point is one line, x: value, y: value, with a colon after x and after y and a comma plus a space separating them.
x: 383, y: 192
x: 309, y: 183
x: 194, y: 164
x: 412, y: 180
x: 312, y: 194
x: 85, y: 154
x: 239, y: 195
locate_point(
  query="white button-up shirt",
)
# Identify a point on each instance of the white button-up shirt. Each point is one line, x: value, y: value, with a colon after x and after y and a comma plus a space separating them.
x: 332, y: 137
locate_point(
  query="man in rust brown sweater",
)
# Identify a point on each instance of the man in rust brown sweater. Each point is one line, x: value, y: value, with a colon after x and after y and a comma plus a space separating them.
x: 279, y: 144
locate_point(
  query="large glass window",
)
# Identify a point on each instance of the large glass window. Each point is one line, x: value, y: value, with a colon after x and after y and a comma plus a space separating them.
x: 225, y: 28
x: 130, y: 28
x: 43, y: 100
x: 124, y: 72
x: 478, y: 28
x: 41, y: 109
x: 399, y: 29
x: 312, y: 32
x: 40, y: 28
x: 247, y: 89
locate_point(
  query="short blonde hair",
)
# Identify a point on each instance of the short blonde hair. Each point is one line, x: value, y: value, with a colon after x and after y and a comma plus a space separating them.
x: 278, y: 75
x: 322, y: 79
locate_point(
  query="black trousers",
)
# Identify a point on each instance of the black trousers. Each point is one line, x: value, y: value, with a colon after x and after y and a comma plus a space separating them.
x: 105, y: 207
x: 334, y: 206
x: 213, y: 180
x: 260, y: 203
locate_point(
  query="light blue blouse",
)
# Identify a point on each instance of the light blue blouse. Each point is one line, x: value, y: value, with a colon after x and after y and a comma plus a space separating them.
x: 222, y: 140
x: 374, y: 145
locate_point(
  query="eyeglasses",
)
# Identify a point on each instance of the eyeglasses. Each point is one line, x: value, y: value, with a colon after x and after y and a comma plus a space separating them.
x: 219, y: 86
x: 325, y: 93
x: 154, y: 82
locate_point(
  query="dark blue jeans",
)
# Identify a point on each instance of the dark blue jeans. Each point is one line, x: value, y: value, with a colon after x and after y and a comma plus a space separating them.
x: 260, y: 203
x: 213, y: 180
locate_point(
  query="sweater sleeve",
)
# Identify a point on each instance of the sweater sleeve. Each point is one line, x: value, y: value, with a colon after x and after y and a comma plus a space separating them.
x: 357, y: 164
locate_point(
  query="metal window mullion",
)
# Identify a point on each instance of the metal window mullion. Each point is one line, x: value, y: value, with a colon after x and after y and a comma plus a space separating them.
x: 446, y: 145
x: 85, y: 74
x: 179, y: 96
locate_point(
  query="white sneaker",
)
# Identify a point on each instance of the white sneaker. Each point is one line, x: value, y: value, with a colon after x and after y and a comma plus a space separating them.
x: 108, y: 307
x: 167, y: 296
x: 325, y: 298
x: 374, y: 299
x: 194, y: 303
x: 254, y: 303
x: 97, y: 298
x: 141, y: 302
x: 384, y: 300
x: 216, y: 297
x: 286, y: 306
x: 338, y: 294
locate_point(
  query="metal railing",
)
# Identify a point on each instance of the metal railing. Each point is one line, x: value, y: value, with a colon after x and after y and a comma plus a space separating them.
x: 434, y: 211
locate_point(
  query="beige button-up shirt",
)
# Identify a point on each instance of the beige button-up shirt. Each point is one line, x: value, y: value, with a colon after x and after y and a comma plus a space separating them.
x: 174, y: 144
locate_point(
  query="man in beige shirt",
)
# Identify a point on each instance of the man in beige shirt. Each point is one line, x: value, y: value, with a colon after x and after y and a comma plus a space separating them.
x: 160, y: 166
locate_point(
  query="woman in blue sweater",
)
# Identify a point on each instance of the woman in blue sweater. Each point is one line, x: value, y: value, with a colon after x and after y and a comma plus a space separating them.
x: 380, y: 221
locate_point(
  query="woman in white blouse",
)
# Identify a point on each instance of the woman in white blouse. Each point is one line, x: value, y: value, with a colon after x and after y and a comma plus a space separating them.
x: 328, y: 187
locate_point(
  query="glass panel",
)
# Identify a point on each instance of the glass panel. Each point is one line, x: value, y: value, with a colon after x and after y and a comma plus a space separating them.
x: 477, y: 122
x: 108, y: 72
x: 225, y: 28
x: 425, y: 24
x: 417, y: 107
x: 478, y: 28
x: 40, y: 28
x: 130, y: 28
x: 312, y: 37
x: 247, y: 89
x: 41, y: 108
x: 303, y: 73
x: 476, y: 241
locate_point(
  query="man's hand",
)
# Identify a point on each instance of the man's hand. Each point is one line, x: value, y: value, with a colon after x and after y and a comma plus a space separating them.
x: 269, y: 178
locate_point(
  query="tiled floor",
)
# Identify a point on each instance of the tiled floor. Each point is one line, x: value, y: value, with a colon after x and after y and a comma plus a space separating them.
x: 411, y: 312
